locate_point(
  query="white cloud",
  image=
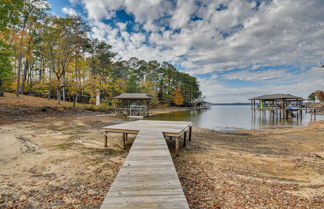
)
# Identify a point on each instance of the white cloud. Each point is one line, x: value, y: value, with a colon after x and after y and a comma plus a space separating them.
x: 69, y: 11
x: 257, y: 76
x: 300, y: 85
x: 286, y: 32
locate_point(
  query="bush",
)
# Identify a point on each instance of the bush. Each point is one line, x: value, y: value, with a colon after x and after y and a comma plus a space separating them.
x: 99, y: 108
x: 40, y: 89
x: 1, y: 93
x: 92, y: 100
x: 44, y: 108
x: 9, y: 86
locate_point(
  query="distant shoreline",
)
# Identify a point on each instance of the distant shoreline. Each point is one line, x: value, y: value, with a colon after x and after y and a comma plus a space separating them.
x: 217, y: 104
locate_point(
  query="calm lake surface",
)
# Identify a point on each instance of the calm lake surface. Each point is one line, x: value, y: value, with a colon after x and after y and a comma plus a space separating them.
x: 230, y: 117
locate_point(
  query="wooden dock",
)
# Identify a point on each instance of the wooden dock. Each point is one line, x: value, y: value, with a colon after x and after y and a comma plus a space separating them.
x: 148, y: 178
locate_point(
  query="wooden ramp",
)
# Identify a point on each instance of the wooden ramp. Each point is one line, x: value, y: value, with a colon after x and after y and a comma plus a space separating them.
x: 148, y: 178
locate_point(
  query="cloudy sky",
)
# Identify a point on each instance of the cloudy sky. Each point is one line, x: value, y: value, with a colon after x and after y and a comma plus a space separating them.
x: 236, y: 48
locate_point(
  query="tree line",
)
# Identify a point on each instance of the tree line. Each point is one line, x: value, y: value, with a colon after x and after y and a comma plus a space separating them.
x: 55, y: 57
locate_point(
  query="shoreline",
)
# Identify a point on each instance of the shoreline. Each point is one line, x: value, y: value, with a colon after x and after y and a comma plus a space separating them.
x: 60, y: 161
x: 165, y: 110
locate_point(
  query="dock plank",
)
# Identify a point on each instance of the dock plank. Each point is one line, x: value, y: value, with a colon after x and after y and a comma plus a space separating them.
x: 148, y: 178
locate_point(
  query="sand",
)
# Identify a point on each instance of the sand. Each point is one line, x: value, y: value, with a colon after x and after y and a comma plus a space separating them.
x: 278, y: 168
x: 56, y: 159
x: 56, y: 163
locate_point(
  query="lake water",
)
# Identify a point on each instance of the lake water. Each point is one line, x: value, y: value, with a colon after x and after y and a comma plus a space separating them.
x: 230, y: 117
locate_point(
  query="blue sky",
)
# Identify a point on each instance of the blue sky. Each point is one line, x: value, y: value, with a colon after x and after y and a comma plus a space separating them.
x: 236, y: 48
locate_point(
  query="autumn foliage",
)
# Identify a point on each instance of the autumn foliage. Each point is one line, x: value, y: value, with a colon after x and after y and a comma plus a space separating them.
x: 320, y: 95
x: 55, y: 57
x: 178, y: 97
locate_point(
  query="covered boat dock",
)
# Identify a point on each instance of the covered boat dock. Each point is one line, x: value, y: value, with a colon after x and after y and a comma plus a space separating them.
x: 200, y: 104
x: 134, y: 104
x: 281, y: 105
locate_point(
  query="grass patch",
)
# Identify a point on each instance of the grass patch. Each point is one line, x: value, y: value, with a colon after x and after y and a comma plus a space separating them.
x: 44, y: 108
x: 74, y: 132
x: 80, y: 127
x: 99, y: 108
x: 58, y: 128
x: 73, y: 137
x: 106, y: 151
x: 65, y: 146
x: 108, y: 166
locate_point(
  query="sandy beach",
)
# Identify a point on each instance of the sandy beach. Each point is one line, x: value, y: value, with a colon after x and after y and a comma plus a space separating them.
x: 277, y: 168
x: 56, y: 159
x: 61, y: 163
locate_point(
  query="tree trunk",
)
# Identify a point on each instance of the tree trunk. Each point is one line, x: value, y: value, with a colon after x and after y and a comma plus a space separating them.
x: 58, y: 95
x: 58, y: 89
x: 18, y: 75
x: 49, y: 83
x: 24, y: 77
x: 75, y: 99
x: 76, y: 81
x: 20, y: 56
x: 29, y: 76
x: 63, y: 94
x: 40, y: 70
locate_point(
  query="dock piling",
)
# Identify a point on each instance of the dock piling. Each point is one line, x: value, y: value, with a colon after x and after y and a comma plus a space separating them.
x: 106, y: 138
x: 184, y: 138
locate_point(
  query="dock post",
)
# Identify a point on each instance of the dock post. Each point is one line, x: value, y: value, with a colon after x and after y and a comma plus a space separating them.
x: 190, y: 130
x: 177, y: 145
x: 184, y: 138
x: 124, y: 140
x: 106, y: 138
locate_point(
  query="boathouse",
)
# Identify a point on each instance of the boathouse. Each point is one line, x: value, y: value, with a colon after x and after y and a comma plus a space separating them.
x: 133, y: 104
x: 272, y: 101
x: 282, y: 103
x: 200, y: 104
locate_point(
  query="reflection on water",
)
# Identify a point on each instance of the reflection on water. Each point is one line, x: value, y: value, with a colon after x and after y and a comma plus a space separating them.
x: 229, y: 117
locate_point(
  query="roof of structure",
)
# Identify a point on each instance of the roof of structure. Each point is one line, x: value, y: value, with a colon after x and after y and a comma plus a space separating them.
x: 277, y: 96
x: 199, y: 101
x: 133, y: 96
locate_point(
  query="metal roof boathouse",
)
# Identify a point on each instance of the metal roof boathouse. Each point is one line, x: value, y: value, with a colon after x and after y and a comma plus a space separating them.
x: 279, y: 105
x: 277, y: 97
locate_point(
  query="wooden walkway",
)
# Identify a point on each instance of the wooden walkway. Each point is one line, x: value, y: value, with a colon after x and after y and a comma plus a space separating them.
x: 148, y: 178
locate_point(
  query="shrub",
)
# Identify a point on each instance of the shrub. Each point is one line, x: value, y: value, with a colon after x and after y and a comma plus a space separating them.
x: 99, y: 108
x: 40, y: 89
x: 9, y: 86
x: 92, y: 100
x: 44, y: 108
